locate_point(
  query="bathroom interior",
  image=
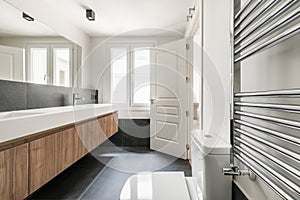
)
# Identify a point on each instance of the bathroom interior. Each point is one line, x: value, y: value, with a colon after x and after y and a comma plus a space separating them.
x: 150, y: 100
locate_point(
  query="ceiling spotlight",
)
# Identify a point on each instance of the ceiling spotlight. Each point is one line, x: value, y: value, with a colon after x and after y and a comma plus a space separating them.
x: 27, y: 17
x: 90, y: 14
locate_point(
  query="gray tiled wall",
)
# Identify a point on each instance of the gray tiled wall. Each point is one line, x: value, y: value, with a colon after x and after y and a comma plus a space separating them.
x: 21, y: 96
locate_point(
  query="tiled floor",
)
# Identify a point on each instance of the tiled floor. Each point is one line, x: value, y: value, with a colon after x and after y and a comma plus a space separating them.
x: 101, y: 174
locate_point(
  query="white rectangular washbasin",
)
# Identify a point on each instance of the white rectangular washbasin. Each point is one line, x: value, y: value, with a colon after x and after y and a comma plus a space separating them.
x: 7, y: 115
x: 16, y: 124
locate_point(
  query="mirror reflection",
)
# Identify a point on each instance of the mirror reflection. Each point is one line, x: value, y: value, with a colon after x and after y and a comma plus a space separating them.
x: 31, y: 52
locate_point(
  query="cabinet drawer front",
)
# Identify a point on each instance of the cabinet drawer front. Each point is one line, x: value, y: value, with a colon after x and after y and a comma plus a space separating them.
x: 14, y: 173
x: 42, y: 161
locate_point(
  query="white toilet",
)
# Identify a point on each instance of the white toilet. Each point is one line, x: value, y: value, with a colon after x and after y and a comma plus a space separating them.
x: 209, y: 155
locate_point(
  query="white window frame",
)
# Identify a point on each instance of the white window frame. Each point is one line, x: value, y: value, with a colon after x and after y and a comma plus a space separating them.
x: 130, y: 81
x: 111, y: 72
x: 141, y: 46
x: 50, y: 62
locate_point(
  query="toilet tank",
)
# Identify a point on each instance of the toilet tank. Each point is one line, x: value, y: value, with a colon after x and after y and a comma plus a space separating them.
x: 209, y: 155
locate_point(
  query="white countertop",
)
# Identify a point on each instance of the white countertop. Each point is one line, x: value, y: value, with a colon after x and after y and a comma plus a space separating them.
x: 21, y: 123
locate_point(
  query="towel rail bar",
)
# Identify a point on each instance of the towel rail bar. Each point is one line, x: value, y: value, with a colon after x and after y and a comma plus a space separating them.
x: 242, y: 10
x: 265, y: 20
x: 248, y: 13
x: 273, y: 41
x: 271, y: 93
x: 277, y: 107
x: 276, y: 134
x: 277, y: 120
x: 271, y: 171
x: 275, y: 187
x: 270, y: 30
x: 285, y: 166
x: 264, y: 8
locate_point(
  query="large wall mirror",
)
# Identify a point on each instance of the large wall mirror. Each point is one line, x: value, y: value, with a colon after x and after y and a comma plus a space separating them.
x: 31, y: 52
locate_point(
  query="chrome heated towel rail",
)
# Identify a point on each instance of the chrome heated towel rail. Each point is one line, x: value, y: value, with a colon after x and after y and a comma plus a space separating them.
x: 265, y: 130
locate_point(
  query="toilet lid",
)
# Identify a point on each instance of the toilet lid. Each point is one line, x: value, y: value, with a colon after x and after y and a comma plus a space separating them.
x: 155, y: 186
x: 210, y: 143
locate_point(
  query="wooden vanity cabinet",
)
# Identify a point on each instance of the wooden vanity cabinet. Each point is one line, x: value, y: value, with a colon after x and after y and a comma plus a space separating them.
x: 27, y: 167
x: 14, y: 173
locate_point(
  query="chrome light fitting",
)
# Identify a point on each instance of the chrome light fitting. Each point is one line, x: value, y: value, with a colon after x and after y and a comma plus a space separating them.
x: 27, y: 17
x: 191, y: 12
x: 90, y: 14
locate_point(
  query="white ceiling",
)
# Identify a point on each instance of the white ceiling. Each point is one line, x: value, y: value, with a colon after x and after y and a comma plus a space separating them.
x: 12, y: 24
x: 127, y: 17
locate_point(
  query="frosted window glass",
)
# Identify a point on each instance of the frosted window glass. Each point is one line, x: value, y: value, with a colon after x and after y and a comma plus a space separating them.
x: 61, y: 61
x: 39, y: 65
x: 141, y: 76
x: 119, y: 75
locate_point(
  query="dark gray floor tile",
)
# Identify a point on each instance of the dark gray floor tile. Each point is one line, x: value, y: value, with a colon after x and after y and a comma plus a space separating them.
x: 72, y: 182
x: 102, y: 174
x: 108, y: 186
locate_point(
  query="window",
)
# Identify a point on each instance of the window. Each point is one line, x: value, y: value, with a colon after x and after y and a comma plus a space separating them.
x: 141, y: 77
x: 61, y: 66
x: 119, y: 75
x: 39, y: 62
x: 130, y: 75
x: 49, y: 64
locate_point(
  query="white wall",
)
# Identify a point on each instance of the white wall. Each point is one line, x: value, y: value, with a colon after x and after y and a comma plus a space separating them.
x: 42, y: 11
x: 216, y: 68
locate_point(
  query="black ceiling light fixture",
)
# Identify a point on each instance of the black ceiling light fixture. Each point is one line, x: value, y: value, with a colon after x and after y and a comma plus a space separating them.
x: 90, y: 14
x: 27, y: 17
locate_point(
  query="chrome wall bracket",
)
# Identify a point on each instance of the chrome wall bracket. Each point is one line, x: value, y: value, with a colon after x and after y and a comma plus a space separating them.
x: 236, y: 171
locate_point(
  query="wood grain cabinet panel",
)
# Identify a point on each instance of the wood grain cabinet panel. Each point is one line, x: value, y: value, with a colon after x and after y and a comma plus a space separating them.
x: 115, y: 123
x: 79, y: 148
x: 14, y: 173
x: 108, y: 124
x: 42, y: 161
x: 103, y: 126
x: 85, y: 136
x: 98, y: 135
x: 65, y: 149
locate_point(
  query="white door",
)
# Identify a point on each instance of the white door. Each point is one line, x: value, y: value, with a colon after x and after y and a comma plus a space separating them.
x: 11, y: 63
x: 169, y: 99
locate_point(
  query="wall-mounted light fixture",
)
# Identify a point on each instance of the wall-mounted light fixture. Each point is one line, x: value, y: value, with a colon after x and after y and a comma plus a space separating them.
x: 27, y: 17
x: 192, y: 10
x: 90, y: 14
